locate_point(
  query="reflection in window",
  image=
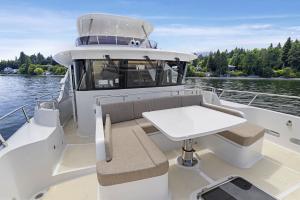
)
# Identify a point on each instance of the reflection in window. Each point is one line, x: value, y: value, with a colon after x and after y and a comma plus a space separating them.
x: 81, y: 70
x: 169, y: 73
x: 120, y: 74
x: 106, y: 75
x: 141, y: 73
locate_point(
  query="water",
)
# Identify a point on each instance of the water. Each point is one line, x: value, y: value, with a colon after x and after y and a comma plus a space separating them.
x: 274, y: 86
x: 16, y: 91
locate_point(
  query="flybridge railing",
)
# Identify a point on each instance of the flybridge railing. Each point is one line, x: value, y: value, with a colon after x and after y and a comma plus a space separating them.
x: 115, y: 40
x: 22, y: 109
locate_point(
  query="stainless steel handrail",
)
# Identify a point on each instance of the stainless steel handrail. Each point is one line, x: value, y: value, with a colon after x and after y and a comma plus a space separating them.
x: 2, y: 140
x: 256, y: 94
x: 14, y: 111
x: 98, y: 97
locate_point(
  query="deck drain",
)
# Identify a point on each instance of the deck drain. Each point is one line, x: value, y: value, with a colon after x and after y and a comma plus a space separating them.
x: 38, y: 196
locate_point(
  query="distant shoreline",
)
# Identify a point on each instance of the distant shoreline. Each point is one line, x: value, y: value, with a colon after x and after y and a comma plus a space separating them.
x: 246, y: 78
x: 32, y: 75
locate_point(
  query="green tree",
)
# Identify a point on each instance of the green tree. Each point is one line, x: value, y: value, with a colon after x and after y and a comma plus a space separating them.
x: 211, y: 65
x: 294, y: 56
x: 31, y: 69
x: 38, y: 71
x: 222, y: 63
x: 22, y: 69
x: 285, y: 52
x: 40, y: 59
x: 190, y: 70
x: 22, y: 58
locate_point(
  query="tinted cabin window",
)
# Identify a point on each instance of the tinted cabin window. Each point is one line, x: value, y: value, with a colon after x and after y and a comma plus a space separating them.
x: 81, y: 70
x: 105, y: 74
x: 121, y: 74
x: 141, y: 74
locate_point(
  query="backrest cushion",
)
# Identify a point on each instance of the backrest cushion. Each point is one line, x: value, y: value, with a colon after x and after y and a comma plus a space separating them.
x: 118, y: 112
x: 108, y: 139
x: 140, y: 106
x: 165, y: 103
x: 191, y: 100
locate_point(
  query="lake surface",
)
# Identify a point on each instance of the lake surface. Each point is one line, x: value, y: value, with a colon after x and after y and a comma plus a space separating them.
x: 16, y: 91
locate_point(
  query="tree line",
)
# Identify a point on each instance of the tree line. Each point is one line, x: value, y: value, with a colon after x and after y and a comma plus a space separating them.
x: 35, y: 64
x: 274, y: 61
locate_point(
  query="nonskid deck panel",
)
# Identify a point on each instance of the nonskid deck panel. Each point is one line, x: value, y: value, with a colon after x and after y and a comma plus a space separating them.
x: 275, y: 174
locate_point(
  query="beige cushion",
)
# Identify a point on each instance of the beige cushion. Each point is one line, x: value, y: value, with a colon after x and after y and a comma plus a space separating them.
x: 224, y: 110
x: 126, y: 124
x: 108, y: 139
x: 191, y: 100
x: 118, y: 112
x: 140, y: 106
x: 135, y: 158
x: 165, y: 103
x: 155, y: 154
x: 245, y: 134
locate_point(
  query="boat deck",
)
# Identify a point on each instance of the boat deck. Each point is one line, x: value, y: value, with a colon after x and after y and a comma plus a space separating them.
x: 278, y: 173
x: 79, y: 152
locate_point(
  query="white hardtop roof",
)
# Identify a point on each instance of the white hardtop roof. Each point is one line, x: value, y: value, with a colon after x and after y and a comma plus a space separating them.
x: 99, y: 52
x: 112, y: 25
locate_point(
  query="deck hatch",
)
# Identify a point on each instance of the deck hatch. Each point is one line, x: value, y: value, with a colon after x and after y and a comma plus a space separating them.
x: 235, y: 188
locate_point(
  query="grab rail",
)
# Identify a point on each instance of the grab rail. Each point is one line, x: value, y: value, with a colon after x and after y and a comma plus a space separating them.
x: 2, y: 140
x: 124, y: 96
x: 256, y: 94
x: 14, y: 111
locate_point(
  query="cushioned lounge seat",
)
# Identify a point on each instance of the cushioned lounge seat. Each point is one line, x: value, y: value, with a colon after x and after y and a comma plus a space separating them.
x: 245, y: 134
x: 135, y: 157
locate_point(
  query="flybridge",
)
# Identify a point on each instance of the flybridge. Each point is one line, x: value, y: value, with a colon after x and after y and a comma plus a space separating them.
x: 104, y: 29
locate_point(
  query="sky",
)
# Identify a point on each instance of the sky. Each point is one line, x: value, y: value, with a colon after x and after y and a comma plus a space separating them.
x: 49, y: 26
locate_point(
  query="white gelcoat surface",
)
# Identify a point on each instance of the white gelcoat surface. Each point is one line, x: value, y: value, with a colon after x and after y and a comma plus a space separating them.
x: 191, y: 122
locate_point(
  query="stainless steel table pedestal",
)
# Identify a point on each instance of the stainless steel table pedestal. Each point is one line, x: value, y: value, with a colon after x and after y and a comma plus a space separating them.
x: 187, y: 157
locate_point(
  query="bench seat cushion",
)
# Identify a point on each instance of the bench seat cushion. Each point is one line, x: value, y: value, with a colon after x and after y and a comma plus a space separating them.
x: 135, y: 157
x: 245, y: 134
x: 119, y: 112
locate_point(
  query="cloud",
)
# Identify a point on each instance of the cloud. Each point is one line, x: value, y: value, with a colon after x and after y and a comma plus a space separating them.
x: 183, y: 30
x: 34, y: 30
x: 210, y: 38
x: 222, y: 18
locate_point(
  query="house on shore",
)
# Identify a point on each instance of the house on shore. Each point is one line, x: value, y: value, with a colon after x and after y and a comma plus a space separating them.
x: 9, y: 70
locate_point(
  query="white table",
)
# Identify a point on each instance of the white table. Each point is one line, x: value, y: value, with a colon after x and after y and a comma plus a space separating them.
x: 186, y: 123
